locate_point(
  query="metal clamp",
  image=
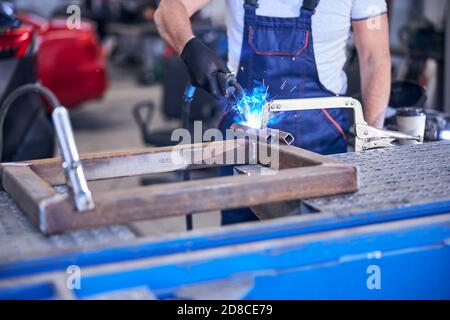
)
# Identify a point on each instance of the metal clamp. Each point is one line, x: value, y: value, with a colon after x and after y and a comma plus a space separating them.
x: 367, y: 137
x: 71, y: 165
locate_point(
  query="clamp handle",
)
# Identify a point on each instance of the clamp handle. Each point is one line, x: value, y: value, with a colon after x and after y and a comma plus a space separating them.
x: 71, y: 160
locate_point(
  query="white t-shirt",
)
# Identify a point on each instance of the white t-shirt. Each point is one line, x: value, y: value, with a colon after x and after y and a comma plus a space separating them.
x: 331, y: 30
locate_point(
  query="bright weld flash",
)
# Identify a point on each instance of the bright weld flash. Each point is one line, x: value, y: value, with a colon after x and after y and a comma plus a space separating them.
x: 249, y: 110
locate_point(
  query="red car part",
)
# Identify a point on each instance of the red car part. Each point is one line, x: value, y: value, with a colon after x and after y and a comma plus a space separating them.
x: 71, y: 62
x: 15, y: 43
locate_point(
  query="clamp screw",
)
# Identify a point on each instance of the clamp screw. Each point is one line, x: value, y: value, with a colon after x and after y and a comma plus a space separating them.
x: 275, y: 106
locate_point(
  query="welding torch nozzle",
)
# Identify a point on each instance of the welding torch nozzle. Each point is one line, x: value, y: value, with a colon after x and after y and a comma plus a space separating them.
x: 231, y: 86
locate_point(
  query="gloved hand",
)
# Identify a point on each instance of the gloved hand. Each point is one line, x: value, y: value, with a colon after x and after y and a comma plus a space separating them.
x: 204, y: 67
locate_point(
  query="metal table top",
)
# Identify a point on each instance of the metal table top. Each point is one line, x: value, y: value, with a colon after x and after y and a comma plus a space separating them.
x: 394, y: 177
x: 20, y: 239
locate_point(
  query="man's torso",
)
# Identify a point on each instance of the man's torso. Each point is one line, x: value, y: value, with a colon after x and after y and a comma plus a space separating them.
x: 331, y: 30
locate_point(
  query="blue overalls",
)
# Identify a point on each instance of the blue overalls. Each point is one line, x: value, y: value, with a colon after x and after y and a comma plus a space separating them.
x: 279, y: 52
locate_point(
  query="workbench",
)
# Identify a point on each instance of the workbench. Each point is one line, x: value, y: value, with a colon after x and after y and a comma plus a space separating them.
x: 398, y: 220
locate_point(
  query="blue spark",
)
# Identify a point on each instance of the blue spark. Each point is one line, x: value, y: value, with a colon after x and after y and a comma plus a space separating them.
x: 249, y: 110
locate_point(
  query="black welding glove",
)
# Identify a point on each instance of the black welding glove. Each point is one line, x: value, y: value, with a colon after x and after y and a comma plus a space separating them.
x: 204, y: 67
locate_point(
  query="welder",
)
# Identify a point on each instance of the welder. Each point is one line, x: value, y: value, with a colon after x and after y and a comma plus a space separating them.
x: 298, y: 50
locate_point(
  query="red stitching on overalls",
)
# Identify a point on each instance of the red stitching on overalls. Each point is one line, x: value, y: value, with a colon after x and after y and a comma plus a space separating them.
x: 270, y: 53
x: 335, y: 123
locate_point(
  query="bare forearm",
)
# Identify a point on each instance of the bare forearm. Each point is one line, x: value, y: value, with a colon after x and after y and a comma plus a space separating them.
x: 173, y: 21
x: 372, y: 43
x: 376, y: 86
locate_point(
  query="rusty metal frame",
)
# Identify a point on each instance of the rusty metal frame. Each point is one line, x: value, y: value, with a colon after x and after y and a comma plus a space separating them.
x: 302, y: 175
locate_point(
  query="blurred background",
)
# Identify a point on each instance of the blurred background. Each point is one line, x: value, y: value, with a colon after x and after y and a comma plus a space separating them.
x: 124, y: 86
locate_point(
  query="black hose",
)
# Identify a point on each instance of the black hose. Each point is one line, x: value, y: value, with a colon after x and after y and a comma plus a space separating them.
x: 189, y: 94
x: 28, y: 88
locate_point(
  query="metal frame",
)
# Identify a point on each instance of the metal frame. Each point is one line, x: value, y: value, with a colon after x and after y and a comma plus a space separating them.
x: 302, y: 175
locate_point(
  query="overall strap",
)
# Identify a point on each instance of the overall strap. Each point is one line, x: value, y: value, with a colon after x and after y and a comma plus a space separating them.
x: 250, y: 7
x: 309, y: 8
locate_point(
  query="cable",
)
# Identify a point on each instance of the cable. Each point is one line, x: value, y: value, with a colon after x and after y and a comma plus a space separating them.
x: 189, y: 94
x: 33, y: 87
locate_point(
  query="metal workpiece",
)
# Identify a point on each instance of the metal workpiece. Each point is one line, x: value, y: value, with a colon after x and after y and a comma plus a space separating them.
x: 300, y: 176
x: 366, y: 137
x: 71, y: 160
x: 268, y: 135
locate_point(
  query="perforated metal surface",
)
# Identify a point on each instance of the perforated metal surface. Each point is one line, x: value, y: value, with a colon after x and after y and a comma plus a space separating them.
x: 19, y: 239
x: 394, y: 177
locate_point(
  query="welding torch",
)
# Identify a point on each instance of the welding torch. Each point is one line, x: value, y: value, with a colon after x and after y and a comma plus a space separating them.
x: 232, y: 89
